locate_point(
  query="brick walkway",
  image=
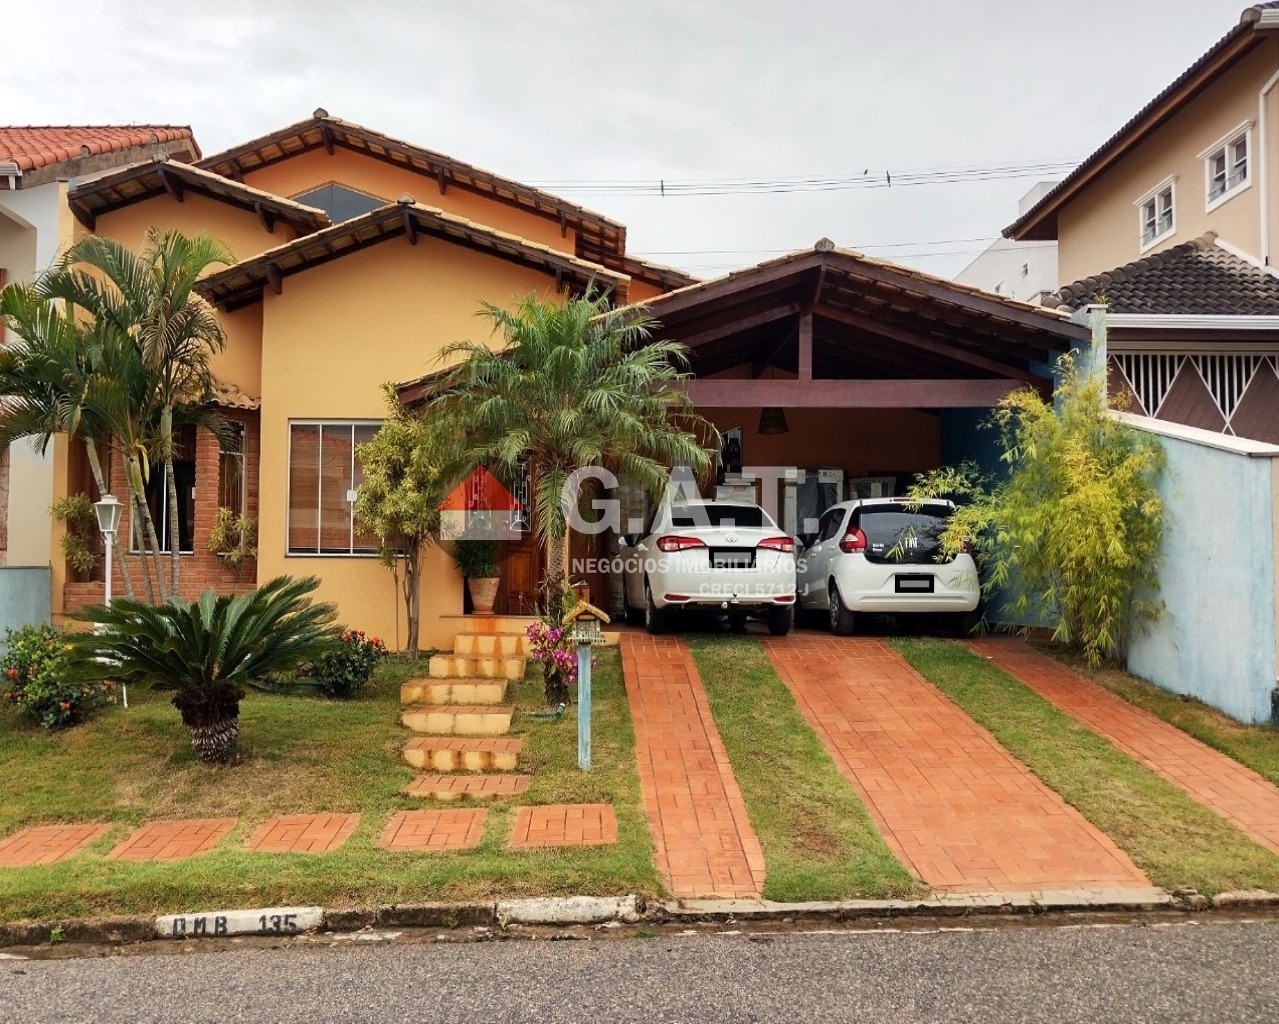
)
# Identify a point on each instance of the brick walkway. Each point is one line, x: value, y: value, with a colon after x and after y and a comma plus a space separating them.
x: 705, y: 845
x: 564, y: 825
x: 471, y: 787
x: 960, y: 811
x: 434, y: 830
x: 304, y: 833
x: 46, y: 844
x: 1218, y: 782
x: 173, y: 840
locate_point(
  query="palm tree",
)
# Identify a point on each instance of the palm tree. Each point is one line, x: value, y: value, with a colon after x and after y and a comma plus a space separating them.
x: 151, y: 298
x: 576, y: 385
x: 206, y: 652
x: 55, y: 379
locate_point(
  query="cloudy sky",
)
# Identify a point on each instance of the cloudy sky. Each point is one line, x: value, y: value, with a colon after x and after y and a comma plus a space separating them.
x: 601, y: 102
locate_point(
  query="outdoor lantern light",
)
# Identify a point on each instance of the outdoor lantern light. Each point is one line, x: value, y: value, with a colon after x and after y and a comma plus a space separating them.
x: 772, y: 420
x: 108, y: 510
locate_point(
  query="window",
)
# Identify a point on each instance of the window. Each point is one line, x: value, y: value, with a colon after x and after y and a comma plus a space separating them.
x: 1227, y: 168
x: 339, y: 202
x: 1156, y: 208
x: 324, y: 475
x: 830, y: 524
x: 184, y: 478
x: 231, y: 480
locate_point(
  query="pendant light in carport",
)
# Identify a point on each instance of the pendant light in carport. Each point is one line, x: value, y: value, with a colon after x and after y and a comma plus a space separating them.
x: 772, y: 420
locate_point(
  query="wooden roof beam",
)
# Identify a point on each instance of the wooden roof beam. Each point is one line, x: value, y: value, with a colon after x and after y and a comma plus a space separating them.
x: 274, y: 279
x: 172, y: 184
x: 265, y: 217
x: 951, y: 352
x: 849, y: 394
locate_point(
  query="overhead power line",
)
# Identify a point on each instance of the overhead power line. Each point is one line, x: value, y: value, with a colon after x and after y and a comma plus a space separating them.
x: 868, y: 178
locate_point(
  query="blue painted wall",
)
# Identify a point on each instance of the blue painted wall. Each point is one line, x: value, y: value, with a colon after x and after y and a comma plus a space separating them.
x: 25, y: 597
x: 1216, y: 640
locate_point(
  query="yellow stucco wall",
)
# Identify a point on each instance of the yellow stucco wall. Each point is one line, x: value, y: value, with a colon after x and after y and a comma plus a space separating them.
x: 386, y: 181
x: 239, y: 230
x: 334, y: 335
x: 1100, y: 230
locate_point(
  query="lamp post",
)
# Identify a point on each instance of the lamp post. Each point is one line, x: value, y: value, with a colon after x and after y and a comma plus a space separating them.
x: 108, y: 510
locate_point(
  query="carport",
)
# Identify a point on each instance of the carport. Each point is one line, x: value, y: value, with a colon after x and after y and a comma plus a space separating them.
x: 847, y: 375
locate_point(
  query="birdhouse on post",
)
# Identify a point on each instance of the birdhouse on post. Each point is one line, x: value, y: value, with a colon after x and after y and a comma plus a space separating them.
x: 585, y: 625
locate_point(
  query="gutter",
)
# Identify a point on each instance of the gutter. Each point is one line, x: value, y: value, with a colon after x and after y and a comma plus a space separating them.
x: 1196, y: 321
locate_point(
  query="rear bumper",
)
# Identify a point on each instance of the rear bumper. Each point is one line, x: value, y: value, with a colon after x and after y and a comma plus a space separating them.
x: 868, y: 587
x: 736, y: 588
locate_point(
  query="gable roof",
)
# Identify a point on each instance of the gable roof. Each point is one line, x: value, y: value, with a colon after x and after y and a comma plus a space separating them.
x: 242, y: 284
x: 1040, y: 221
x: 657, y: 274
x: 36, y: 154
x: 1196, y: 278
x: 117, y: 189
x: 599, y: 239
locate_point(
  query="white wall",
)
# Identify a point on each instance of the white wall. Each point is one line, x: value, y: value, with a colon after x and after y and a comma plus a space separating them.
x: 32, y: 222
x: 1022, y: 270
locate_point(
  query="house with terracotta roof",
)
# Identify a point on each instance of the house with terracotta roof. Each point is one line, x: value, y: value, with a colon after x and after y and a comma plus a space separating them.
x: 1172, y: 223
x: 38, y: 166
x: 360, y: 256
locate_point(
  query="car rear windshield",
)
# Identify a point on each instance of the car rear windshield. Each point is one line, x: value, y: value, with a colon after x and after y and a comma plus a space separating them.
x: 894, y: 534
x: 690, y: 516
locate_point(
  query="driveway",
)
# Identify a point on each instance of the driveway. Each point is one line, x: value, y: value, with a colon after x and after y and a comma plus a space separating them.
x: 961, y: 812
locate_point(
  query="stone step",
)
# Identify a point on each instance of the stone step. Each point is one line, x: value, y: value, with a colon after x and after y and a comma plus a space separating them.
x: 458, y: 719
x: 443, y: 754
x: 448, y: 788
x: 477, y: 645
x: 452, y: 666
x: 453, y: 691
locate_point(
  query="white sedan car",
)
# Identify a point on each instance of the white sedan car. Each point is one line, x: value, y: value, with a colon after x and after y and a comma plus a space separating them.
x: 883, y: 555
x: 710, y: 555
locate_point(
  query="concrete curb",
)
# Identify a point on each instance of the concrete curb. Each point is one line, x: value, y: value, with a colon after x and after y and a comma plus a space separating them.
x: 595, y: 910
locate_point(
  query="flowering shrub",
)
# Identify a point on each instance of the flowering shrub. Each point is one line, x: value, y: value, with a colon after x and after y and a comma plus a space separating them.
x: 33, y: 674
x: 343, y: 672
x: 550, y: 645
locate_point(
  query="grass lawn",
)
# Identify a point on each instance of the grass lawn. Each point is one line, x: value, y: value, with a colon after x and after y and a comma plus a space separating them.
x: 1175, y: 840
x: 302, y: 755
x: 1257, y: 746
x: 819, y: 842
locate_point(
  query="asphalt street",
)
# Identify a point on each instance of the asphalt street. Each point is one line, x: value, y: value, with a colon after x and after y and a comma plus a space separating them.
x: 1202, y: 971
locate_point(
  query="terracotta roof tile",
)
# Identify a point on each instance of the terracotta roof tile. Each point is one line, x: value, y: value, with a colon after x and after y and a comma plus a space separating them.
x: 1196, y: 278
x: 31, y: 147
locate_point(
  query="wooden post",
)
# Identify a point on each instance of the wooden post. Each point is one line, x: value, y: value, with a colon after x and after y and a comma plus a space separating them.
x: 806, y: 346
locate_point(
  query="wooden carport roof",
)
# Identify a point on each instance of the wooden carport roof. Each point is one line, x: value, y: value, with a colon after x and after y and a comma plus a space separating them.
x: 116, y: 189
x: 243, y: 284
x: 858, y: 332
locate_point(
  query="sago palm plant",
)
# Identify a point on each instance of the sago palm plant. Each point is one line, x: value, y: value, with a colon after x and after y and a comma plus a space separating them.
x: 206, y: 651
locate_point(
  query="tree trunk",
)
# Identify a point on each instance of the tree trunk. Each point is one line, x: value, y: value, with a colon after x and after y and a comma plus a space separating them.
x: 153, y: 541
x: 122, y: 550
x: 171, y: 488
x: 413, y: 595
x: 213, y: 722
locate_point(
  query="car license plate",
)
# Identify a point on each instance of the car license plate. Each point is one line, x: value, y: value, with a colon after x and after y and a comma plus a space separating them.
x: 914, y: 583
x: 732, y: 559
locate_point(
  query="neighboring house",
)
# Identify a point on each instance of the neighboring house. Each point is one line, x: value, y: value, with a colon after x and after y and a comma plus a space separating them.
x: 359, y: 258
x: 1173, y: 224
x: 1022, y: 270
x: 37, y: 167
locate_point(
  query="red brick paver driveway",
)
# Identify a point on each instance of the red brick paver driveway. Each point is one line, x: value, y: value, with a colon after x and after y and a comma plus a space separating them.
x: 705, y: 843
x: 434, y: 830
x: 1235, y: 792
x: 960, y: 811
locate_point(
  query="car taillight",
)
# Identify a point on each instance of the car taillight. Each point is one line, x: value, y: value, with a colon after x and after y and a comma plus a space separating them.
x: 854, y: 540
x: 786, y: 544
x: 677, y: 543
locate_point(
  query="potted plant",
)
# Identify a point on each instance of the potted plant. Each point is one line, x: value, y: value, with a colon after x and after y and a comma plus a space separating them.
x: 478, y: 561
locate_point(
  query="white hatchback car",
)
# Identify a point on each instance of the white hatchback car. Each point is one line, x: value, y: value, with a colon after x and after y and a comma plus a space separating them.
x: 883, y: 555
x: 710, y: 555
